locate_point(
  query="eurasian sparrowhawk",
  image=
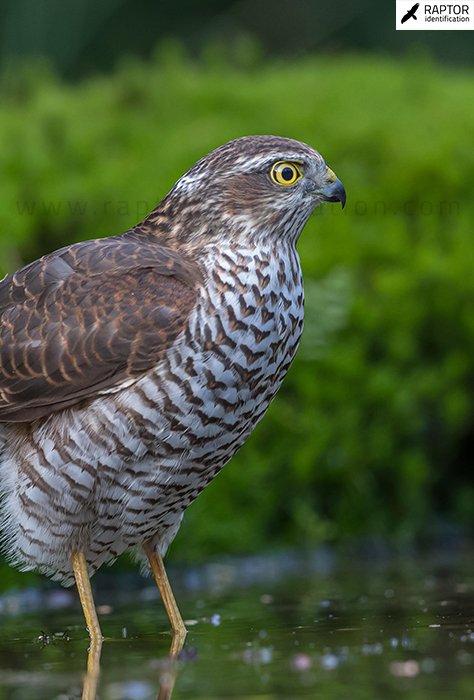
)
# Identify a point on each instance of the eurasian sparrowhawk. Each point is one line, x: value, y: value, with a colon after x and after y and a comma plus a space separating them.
x: 132, y: 368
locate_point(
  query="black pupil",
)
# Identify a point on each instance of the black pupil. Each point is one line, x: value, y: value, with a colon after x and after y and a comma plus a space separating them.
x: 287, y: 174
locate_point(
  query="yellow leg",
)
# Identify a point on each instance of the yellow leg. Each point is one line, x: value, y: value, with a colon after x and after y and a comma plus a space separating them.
x: 85, y: 593
x: 83, y: 583
x: 159, y: 572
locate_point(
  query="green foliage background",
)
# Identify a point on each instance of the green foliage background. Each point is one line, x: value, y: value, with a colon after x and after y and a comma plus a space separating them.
x: 372, y: 431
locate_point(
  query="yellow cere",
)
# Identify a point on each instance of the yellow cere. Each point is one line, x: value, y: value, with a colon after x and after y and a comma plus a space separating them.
x: 285, y: 173
x: 330, y: 175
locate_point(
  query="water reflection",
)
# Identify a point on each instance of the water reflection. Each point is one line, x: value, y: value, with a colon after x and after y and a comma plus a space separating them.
x: 93, y: 670
x: 364, y: 626
x: 168, y: 670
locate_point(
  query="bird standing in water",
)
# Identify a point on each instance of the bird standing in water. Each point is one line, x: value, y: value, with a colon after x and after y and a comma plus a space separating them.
x: 132, y: 368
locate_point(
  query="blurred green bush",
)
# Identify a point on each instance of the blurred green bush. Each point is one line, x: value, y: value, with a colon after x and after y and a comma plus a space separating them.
x: 373, y: 429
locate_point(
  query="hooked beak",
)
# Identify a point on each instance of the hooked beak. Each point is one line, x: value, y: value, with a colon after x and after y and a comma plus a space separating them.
x: 334, y: 191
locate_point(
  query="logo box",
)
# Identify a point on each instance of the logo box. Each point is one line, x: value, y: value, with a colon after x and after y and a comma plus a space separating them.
x: 434, y: 16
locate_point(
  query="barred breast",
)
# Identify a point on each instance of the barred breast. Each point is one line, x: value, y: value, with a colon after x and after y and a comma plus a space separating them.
x: 106, y: 475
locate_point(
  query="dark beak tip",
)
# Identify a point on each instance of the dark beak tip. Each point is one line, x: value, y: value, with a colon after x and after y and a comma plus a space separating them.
x: 337, y: 193
x: 340, y: 193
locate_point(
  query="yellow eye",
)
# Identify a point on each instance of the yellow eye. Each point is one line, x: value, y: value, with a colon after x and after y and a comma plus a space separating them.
x: 284, y: 173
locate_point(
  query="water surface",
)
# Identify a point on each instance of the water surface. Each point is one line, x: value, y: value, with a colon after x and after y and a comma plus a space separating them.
x: 362, y: 624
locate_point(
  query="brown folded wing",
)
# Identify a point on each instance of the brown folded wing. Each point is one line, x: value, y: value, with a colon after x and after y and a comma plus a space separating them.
x: 87, y: 318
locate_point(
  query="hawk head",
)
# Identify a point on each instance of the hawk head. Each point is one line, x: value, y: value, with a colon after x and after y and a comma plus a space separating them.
x: 265, y: 187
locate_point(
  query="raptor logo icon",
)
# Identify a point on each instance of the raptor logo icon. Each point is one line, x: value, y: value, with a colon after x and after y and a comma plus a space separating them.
x: 411, y: 13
